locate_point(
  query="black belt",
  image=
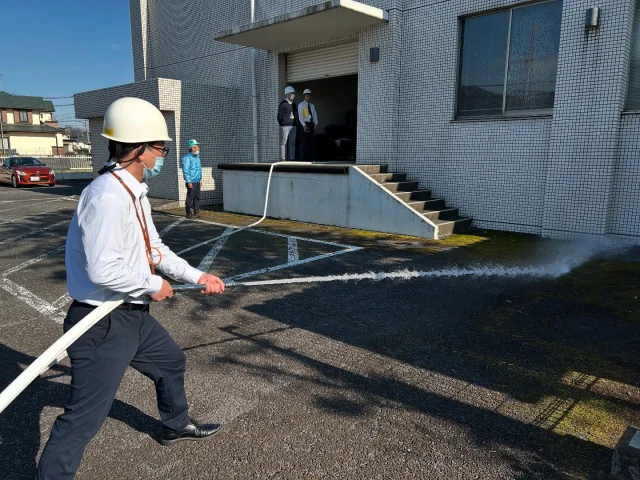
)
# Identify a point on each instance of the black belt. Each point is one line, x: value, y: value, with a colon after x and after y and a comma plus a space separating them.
x: 125, y: 306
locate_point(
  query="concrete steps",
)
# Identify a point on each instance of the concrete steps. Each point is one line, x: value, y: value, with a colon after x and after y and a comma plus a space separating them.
x: 447, y: 219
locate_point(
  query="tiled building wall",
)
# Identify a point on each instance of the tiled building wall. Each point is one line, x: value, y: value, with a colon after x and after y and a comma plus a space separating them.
x: 590, y: 97
x: 492, y: 170
x: 551, y: 176
x: 624, y: 216
x: 532, y: 175
x: 379, y: 93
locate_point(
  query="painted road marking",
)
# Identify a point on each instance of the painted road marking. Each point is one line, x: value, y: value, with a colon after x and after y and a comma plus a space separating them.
x: 171, y: 227
x: 206, y: 242
x: 32, y: 300
x: 30, y: 205
x: 37, y: 259
x: 263, y: 232
x: 33, y: 232
x: 289, y: 265
x: 292, y: 247
x: 30, y: 216
x: 52, y: 310
x: 207, y: 261
x: 62, y: 301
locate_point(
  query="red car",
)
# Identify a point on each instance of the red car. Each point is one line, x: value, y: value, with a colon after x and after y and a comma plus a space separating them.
x: 23, y: 171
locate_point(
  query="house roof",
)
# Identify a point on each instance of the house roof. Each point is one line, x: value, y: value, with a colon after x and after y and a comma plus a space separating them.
x: 22, y: 101
x: 21, y: 127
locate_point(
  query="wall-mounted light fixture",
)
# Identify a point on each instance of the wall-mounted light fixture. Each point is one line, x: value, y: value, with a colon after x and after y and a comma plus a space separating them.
x: 374, y: 55
x: 592, y: 21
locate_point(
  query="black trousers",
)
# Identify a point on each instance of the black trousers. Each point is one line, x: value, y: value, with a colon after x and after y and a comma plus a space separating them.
x: 307, y: 143
x: 98, y: 361
x: 193, y: 198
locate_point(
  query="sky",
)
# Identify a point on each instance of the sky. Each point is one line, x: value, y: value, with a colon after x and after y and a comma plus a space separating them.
x: 58, y: 48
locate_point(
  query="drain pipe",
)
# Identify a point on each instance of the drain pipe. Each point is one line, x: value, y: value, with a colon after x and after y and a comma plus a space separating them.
x: 254, y: 90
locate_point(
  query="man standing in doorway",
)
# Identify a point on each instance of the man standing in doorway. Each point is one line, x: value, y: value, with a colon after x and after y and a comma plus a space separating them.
x: 309, y: 121
x: 113, y: 246
x: 192, y: 171
x: 287, y: 118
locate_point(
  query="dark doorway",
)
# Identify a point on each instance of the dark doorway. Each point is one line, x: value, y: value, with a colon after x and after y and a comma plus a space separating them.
x: 336, y: 101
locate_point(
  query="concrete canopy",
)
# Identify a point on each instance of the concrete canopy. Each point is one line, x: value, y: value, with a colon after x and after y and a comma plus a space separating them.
x: 318, y: 23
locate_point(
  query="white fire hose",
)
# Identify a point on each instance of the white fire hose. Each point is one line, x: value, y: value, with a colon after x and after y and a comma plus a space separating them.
x: 57, y: 352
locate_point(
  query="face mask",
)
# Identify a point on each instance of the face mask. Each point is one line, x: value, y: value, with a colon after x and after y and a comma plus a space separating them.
x: 152, y: 172
x: 292, y: 97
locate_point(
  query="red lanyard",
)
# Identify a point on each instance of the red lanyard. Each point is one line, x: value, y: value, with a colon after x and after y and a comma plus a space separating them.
x: 145, y: 229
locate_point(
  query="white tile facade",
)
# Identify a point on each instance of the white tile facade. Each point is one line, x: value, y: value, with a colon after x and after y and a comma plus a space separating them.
x: 573, y: 173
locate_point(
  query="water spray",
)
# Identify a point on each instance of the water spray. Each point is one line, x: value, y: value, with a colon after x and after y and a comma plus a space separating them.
x: 549, y: 271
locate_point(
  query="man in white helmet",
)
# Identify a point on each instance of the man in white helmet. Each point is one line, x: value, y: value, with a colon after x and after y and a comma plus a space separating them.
x: 309, y: 122
x: 288, y: 119
x: 113, y: 246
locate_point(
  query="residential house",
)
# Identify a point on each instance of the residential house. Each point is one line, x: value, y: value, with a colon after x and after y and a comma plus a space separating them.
x: 28, y: 126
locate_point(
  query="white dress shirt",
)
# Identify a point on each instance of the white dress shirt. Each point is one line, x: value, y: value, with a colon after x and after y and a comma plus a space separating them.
x: 106, y: 252
x: 311, y: 110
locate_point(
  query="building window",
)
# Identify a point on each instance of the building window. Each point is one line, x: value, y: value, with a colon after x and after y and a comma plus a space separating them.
x: 24, y: 117
x: 509, y: 62
x: 633, y: 93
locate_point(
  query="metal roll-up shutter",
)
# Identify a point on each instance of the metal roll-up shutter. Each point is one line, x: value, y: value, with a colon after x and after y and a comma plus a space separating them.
x: 323, y: 63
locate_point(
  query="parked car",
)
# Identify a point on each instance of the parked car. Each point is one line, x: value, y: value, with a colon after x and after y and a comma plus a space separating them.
x: 23, y: 171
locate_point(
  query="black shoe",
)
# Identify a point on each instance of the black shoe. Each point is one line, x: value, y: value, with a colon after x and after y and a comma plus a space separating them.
x: 193, y: 431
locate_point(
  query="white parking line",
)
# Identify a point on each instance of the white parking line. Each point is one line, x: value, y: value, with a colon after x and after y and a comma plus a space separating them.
x: 206, y: 262
x: 29, y: 216
x: 263, y: 232
x: 62, y: 301
x: 202, y: 244
x: 53, y: 311
x: 37, y: 259
x: 293, y: 264
x: 32, y: 300
x: 171, y: 227
x: 33, y: 232
x: 38, y: 203
x: 292, y: 246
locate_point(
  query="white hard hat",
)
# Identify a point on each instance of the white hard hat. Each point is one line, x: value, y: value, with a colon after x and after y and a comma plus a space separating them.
x: 306, y: 91
x: 133, y: 120
x: 289, y: 90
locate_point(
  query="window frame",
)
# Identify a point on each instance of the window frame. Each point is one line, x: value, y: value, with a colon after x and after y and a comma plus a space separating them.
x: 627, y: 109
x: 26, y: 114
x: 505, y: 115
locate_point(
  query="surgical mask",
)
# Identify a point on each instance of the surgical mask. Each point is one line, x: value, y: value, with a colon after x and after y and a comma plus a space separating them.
x: 292, y: 97
x: 149, y: 173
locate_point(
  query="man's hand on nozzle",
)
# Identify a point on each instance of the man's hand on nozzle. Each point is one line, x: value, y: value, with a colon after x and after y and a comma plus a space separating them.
x: 212, y: 284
